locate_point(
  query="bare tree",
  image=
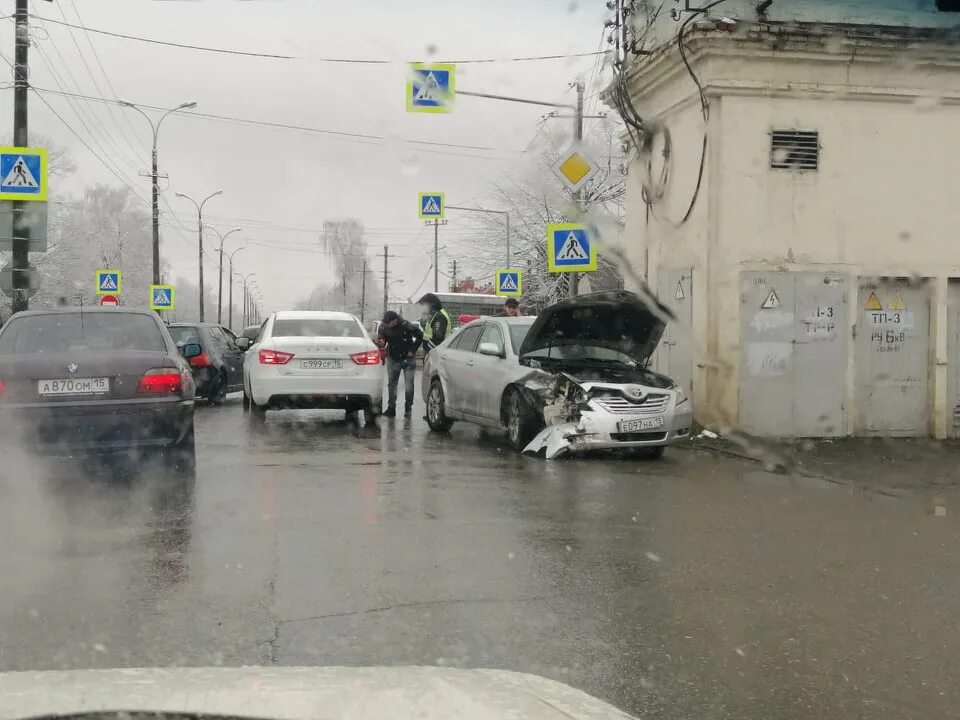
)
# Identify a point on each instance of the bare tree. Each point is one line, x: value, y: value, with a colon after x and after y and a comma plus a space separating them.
x: 344, y: 243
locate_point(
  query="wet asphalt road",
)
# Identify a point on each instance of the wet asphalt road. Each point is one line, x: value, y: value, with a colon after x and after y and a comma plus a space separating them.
x: 695, y: 586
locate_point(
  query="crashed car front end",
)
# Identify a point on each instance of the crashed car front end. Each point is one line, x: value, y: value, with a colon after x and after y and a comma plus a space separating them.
x: 581, y: 416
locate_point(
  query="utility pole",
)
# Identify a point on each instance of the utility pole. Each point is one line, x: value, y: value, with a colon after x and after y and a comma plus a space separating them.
x: 436, y: 256
x: 363, y: 291
x: 21, y: 232
x: 453, y: 276
x: 344, y: 286
x: 385, y: 276
x: 199, y: 207
x: 577, y: 196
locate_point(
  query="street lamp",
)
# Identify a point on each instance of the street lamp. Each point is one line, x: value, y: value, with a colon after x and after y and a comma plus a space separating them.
x: 154, y: 175
x: 230, y: 297
x: 199, y: 207
x: 246, y: 301
x: 223, y: 239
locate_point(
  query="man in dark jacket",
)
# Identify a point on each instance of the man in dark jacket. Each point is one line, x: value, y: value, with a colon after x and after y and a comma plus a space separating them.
x: 399, y: 340
x: 438, y: 321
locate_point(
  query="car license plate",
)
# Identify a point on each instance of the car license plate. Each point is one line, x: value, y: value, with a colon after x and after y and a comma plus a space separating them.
x: 628, y: 426
x: 321, y: 364
x: 73, y: 386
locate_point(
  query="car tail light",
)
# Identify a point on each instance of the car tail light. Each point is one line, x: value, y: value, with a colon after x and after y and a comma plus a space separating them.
x: 368, y: 357
x: 201, y: 360
x: 3, y: 388
x: 274, y: 357
x: 161, y: 381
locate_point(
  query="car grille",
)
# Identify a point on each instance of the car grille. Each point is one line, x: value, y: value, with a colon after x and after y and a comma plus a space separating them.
x: 653, y: 404
x: 638, y: 436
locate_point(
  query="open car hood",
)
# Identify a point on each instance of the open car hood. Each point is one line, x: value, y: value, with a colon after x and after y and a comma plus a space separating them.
x: 617, y: 320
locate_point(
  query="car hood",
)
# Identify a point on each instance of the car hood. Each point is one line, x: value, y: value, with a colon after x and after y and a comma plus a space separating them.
x: 617, y: 320
x: 424, y: 693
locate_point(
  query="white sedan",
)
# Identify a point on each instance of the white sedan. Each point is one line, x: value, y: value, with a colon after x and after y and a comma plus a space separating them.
x: 313, y: 359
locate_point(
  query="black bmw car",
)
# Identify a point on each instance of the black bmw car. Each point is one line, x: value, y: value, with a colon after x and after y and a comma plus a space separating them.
x: 218, y: 369
x: 93, y: 381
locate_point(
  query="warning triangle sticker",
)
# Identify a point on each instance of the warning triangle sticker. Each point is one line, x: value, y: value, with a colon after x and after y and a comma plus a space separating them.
x: 572, y: 249
x: 20, y: 176
x: 429, y: 89
x: 107, y: 282
x: 678, y: 295
x: 897, y: 303
x: 430, y: 207
x: 873, y: 303
x: 508, y: 284
x: 771, y: 302
x: 161, y: 297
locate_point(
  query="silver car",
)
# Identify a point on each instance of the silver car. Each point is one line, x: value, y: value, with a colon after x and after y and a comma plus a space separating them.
x: 570, y: 380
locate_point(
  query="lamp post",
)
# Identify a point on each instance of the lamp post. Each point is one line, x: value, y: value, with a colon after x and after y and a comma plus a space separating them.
x: 154, y: 175
x: 246, y: 299
x: 223, y: 239
x: 199, y: 207
x: 230, y: 296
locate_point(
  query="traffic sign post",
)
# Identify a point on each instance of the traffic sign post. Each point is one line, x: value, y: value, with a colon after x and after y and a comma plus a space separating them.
x: 570, y: 248
x: 575, y: 168
x: 431, y: 87
x: 30, y: 284
x: 109, y: 300
x: 23, y: 174
x: 108, y: 282
x: 162, y: 297
x: 18, y: 219
x: 509, y: 282
x: 431, y: 206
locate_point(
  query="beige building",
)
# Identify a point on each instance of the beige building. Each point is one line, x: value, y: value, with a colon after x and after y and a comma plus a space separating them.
x: 816, y: 278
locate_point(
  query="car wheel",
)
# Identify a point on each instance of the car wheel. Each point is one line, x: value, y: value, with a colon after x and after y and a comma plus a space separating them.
x: 522, y: 424
x: 182, y: 457
x: 246, y: 400
x: 437, y: 409
x: 218, y: 393
x: 258, y: 413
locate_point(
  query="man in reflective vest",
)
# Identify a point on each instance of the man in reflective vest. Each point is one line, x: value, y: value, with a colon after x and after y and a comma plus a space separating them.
x: 438, y: 321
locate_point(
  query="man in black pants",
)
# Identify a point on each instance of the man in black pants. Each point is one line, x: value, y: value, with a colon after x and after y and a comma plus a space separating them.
x: 399, y: 340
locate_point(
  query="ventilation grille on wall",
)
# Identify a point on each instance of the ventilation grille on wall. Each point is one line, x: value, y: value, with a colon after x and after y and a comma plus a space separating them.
x: 795, y: 150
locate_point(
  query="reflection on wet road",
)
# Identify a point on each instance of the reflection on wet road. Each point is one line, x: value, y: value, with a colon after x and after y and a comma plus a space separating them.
x: 694, y: 586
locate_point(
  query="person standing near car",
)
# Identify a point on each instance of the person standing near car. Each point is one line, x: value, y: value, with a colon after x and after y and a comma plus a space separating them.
x: 399, y: 341
x: 438, y: 321
x: 511, y: 307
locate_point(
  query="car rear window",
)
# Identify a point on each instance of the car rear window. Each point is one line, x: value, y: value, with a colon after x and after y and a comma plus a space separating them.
x: 316, y: 327
x: 80, y: 331
x: 184, y: 335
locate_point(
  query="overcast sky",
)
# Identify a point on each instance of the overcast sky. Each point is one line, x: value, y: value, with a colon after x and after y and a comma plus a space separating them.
x: 297, y: 179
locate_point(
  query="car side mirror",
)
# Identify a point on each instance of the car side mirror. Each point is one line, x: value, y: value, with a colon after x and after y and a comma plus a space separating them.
x: 243, y: 343
x: 190, y: 350
x: 489, y: 349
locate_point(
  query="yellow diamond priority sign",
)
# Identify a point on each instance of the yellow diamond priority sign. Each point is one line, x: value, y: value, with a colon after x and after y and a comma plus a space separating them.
x: 574, y: 168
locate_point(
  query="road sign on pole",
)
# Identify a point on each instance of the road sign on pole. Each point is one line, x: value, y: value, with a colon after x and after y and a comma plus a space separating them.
x: 575, y: 168
x: 431, y: 206
x: 570, y: 248
x: 108, y: 282
x: 19, y: 219
x: 162, y: 297
x: 23, y: 173
x: 431, y: 87
x: 109, y: 300
x: 509, y: 282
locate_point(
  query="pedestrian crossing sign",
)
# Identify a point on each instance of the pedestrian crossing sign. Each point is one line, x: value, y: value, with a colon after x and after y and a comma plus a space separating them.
x: 431, y: 87
x: 162, y: 297
x: 570, y: 248
x: 108, y: 282
x: 431, y: 206
x: 23, y: 174
x: 509, y: 283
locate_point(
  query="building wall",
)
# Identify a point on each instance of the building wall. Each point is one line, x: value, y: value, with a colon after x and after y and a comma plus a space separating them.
x: 882, y: 204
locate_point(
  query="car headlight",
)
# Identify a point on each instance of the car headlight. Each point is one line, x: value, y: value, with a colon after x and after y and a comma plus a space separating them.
x: 681, y: 395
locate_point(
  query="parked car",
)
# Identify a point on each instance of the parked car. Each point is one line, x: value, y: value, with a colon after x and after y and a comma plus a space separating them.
x: 572, y: 379
x: 96, y: 380
x: 313, y: 359
x: 218, y: 369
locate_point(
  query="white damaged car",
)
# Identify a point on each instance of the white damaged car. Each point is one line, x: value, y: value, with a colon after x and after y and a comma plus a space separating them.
x: 574, y: 379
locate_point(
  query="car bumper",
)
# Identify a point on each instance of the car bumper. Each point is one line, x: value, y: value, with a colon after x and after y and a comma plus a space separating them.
x: 601, y: 431
x: 66, y: 430
x: 316, y: 392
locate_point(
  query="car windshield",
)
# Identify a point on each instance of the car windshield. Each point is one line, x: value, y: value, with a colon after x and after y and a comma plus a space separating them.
x: 679, y: 430
x: 184, y: 335
x: 316, y: 327
x: 75, y: 332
